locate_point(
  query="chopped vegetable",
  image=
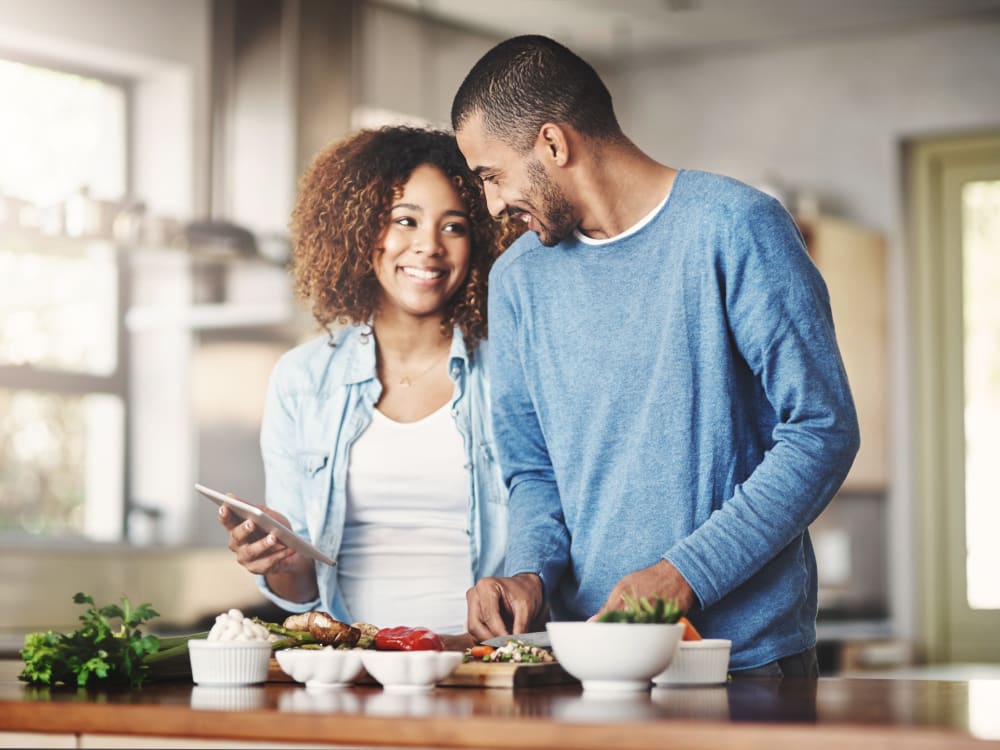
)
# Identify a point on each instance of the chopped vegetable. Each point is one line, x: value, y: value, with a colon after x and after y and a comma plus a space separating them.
x: 690, y: 633
x: 644, y: 610
x: 512, y: 651
x: 402, y: 638
x: 481, y: 652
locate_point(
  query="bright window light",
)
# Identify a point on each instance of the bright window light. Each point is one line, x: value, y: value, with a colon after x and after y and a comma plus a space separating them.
x: 981, y: 223
x: 60, y: 132
x: 58, y: 305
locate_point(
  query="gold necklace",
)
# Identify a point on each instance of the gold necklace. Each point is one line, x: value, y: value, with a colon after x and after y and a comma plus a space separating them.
x: 407, y: 380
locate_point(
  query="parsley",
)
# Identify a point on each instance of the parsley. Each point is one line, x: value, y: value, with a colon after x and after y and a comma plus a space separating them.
x: 96, y: 652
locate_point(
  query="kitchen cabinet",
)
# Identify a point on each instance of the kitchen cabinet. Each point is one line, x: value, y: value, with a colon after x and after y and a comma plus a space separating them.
x: 851, y: 536
x: 852, y: 260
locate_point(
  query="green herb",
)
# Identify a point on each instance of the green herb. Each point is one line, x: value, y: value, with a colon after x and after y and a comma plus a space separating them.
x: 96, y: 652
x: 644, y: 610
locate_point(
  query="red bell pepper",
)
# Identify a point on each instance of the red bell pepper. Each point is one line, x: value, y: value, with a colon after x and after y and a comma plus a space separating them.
x: 402, y: 638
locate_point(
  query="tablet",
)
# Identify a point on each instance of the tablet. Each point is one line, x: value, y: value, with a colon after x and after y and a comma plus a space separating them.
x: 281, y: 532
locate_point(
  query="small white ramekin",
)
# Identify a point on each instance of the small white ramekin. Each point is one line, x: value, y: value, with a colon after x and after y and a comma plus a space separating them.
x: 704, y: 662
x: 229, y: 662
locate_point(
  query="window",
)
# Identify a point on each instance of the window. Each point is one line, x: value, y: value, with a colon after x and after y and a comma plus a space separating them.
x: 62, y: 374
x: 60, y: 132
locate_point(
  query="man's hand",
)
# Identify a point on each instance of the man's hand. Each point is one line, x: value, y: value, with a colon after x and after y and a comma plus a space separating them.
x: 661, y: 579
x: 504, y: 606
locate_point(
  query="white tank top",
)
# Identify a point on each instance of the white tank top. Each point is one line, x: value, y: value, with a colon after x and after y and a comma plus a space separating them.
x: 406, y: 555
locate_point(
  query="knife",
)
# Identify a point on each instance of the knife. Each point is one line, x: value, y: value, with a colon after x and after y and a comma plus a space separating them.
x: 540, y: 639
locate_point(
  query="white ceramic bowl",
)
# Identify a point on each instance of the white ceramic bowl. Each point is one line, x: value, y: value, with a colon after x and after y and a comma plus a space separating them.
x: 229, y: 662
x: 704, y: 662
x: 410, y: 670
x: 613, y: 655
x: 326, y: 667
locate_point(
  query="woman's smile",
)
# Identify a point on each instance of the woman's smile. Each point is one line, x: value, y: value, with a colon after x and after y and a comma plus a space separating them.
x: 423, y: 275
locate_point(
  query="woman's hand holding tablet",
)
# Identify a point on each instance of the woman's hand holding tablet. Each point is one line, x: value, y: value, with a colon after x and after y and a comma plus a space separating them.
x: 254, y: 513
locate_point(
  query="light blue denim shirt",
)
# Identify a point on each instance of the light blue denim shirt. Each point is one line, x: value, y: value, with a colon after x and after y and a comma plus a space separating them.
x: 320, y: 399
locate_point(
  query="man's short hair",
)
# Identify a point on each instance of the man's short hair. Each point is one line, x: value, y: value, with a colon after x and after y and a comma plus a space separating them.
x: 526, y: 81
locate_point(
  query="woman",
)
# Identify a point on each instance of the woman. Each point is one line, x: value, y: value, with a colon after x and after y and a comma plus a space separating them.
x: 376, y: 437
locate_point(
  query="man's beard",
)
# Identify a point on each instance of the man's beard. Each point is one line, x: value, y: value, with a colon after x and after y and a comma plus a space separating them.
x: 556, y: 222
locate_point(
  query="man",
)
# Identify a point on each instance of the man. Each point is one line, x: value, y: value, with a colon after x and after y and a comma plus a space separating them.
x: 670, y: 406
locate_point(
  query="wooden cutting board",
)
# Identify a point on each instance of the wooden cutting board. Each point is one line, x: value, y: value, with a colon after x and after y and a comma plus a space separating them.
x: 507, y: 675
x: 477, y: 674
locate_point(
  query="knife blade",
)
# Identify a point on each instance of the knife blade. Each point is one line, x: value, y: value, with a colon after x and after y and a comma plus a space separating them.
x: 540, y: 639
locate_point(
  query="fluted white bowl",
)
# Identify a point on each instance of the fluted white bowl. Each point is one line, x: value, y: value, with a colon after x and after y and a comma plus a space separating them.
x: 614, y: 656
x: 704, y: 662
x: 410, y: 670
x: 326, y: 667
x: 229, y: 662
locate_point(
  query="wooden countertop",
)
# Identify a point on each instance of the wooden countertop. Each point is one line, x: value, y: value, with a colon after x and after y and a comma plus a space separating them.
x: 828, y: 713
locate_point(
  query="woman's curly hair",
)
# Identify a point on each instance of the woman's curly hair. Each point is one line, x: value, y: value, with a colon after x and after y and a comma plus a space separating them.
x: 343, y: 207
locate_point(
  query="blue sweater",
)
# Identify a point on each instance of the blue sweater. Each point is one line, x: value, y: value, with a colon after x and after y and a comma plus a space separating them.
x: 673, y: 393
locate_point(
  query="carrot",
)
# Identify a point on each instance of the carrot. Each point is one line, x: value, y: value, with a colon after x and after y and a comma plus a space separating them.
x: 690, y: 634
x: 481, y: 652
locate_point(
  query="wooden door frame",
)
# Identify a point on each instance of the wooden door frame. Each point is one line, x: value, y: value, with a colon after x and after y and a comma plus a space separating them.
x: 938, y: 375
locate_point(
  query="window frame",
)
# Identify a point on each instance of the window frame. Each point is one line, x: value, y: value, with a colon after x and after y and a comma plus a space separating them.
x: 936, y: 169
x: 63, y: 382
